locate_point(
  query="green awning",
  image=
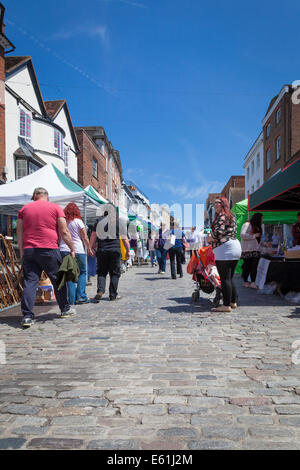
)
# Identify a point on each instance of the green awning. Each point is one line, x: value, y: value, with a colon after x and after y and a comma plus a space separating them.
x: 279, y: 193
x: 89, y: 191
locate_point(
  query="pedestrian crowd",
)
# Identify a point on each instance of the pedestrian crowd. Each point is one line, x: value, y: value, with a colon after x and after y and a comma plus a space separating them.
x: 56, y: 241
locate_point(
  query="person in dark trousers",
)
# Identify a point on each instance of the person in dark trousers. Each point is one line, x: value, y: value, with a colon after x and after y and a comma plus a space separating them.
x: 161, y: 253
x: 251, y: 234
x: 107, y: 231
x: 39, y: 225
x: 175, y: 253
x: 227, y: 251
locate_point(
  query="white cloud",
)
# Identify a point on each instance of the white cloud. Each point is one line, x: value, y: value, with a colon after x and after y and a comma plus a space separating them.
x: 127, y: 2
x: 94, y: 31
x: 193, y: 190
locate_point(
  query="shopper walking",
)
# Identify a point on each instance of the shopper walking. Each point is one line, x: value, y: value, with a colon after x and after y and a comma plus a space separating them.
x: 152, y: 251
x: 227, y: 251
x: 161, y: 253
x: 175, y: 253
x: 39, y: 225
x: 107, y: 231
x: 77, y: 292
x: 251, y: 234
x: 194, y: 240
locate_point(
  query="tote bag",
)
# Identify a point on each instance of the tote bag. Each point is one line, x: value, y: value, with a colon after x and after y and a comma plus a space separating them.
x: 170, y: 242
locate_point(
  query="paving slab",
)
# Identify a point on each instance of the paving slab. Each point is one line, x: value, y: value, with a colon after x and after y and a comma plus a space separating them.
x: 152, y: 371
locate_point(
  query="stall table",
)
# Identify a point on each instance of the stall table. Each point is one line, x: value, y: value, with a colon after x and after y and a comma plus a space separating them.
x: 284, y: 272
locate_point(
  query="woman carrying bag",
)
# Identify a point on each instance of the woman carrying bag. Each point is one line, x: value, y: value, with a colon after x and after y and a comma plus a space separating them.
x: 227, y: 251
x: 177, y: 239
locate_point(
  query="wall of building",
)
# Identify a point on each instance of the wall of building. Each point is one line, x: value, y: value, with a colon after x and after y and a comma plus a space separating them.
x: 88, y: 152
x: 254, y: 173
x: 234, y: 182
x: 20, y: 81
x: 42, y: 133
x: 281, y: 129
x: 62, y: 121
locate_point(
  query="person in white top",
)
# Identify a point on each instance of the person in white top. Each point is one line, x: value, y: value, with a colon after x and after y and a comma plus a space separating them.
x: 194, y: 240
x: 251, y: 234
x: 77, y: 293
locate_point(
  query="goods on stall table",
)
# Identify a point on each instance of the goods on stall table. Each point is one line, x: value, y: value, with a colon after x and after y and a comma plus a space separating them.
x: 11, y: 277
x: 292, y: 254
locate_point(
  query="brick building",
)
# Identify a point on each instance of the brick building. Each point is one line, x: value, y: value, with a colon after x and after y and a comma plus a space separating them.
x: 91, y: 164
x: 281, y: 132
x: 112, y: 161
x: 209, y: 212
x: 234, y: 190
x: 5, y: 47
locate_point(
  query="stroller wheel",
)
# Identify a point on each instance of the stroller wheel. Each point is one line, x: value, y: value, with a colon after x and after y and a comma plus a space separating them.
x: 195, y: 296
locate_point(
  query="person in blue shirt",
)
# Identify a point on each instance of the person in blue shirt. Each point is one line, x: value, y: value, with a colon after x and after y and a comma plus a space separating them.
x: 176, y: 252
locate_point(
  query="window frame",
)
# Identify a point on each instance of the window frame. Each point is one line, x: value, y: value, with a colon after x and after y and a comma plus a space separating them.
x: 258, y: 161
x: 278, y: 111
x: 95, y: 168
x: 28, y: 162
x: 278, y: 138
x: 268, y: 152
x: 27, y: 125
x: 58, y: 138
x: 268, y: 130
x: 66, y: 158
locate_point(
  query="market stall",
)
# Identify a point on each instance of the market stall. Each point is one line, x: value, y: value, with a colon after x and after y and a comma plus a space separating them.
x: 269, y: 218
x: 14, y: 195
x: 281, y: 193
x: 61, y: 189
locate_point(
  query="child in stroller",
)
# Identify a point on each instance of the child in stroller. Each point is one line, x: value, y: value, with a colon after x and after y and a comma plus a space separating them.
x: 205, y: 274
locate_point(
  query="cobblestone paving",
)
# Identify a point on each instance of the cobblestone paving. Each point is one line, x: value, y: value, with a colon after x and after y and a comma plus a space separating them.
x: 152, y: 371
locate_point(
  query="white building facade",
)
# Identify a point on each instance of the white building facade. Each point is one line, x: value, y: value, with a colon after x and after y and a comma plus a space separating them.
x: 254, y: 166
x: 33, y: 138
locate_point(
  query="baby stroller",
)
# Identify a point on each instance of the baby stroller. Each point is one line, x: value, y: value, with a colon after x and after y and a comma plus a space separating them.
x: 204, y: 279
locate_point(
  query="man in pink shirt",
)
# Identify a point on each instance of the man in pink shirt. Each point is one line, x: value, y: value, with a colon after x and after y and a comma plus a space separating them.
x: 38, y: 228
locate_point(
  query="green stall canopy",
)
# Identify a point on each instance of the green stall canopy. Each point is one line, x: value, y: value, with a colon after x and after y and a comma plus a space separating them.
x: 281, y: 192
x: 240, y: 210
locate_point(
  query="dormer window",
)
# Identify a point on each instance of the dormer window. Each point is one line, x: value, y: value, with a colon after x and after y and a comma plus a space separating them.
x: 25, y: 125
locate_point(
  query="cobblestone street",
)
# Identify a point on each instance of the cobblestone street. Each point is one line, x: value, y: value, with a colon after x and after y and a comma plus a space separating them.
x: 152, y: 371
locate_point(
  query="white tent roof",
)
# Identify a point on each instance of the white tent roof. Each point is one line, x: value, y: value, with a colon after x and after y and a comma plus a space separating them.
x: 61, y: 189
x: 90, y: 189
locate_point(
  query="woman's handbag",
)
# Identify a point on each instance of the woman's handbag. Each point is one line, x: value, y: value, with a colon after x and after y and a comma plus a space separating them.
x: 170, y: 242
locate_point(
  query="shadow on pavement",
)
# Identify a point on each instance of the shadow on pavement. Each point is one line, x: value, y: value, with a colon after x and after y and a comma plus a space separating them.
x: 15, y: 321
x: 295, y: 313
x: 203, y: 305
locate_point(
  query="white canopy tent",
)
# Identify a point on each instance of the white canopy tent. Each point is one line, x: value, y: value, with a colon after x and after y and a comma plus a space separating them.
x: 62, y: 190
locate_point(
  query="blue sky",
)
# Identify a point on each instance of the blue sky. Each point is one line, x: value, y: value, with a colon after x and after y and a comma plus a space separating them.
x: 180, y: 87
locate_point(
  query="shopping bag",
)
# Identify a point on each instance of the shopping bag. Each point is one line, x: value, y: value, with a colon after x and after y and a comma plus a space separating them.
x: 193, y: 263
x: 170, y: 242
x: 123, y: 250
